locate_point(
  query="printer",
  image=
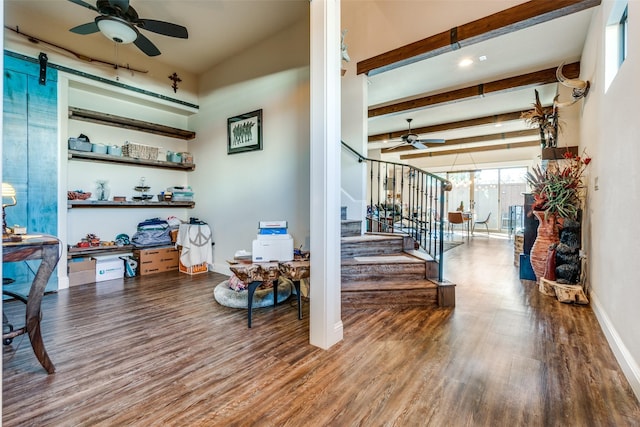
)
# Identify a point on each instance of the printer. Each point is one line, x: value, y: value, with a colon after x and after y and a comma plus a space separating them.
x: 273, y: 243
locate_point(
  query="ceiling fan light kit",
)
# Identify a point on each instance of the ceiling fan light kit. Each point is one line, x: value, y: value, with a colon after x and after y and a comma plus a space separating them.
x: 116, y: 30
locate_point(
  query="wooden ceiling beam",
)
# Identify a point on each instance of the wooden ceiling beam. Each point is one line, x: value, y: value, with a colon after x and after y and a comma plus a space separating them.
x: 478, y: 121
x: 547, y: 76
x: 507, y: 146
x: 506, y: 21
x: 471, y: 139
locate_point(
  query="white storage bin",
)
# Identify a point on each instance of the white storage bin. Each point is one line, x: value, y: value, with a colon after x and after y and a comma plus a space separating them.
x: 109, y: 267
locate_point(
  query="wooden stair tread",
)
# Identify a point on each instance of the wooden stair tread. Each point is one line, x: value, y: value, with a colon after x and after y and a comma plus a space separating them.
x: 419, y: 254
x: 388, y: 285
x: 394, y: 258
x: 373, y: 237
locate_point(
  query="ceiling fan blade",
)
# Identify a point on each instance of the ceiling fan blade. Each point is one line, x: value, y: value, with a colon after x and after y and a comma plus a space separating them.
x: 120, y: 4
x: 164, y: 28
x: 418, y: 145
x: 88, y: 28
x: 432, y: 141
x: 85, y: 4
x: 145, y: 45
x: 393, y: 148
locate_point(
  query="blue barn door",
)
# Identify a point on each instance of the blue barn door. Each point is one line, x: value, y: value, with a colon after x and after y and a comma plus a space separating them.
x: 30, y: 157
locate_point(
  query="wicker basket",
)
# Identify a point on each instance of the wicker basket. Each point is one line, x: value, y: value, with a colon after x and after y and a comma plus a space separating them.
x: 139, y: 151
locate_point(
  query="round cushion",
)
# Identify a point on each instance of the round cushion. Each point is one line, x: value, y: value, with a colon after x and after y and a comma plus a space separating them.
x: 261, y: 297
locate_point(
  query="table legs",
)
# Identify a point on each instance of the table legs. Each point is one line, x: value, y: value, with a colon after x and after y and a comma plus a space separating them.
x: 296, y: 283
x: 251, y: 289
x: 49, y: 261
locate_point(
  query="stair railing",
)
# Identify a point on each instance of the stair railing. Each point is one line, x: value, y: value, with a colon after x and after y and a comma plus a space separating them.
x: 405, y: 199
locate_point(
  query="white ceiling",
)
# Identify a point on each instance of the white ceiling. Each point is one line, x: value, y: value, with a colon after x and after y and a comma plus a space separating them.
x: 218, y: 29
x: 535, y: 48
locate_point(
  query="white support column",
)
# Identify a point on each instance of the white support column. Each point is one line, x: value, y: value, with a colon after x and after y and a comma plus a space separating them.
x: 325, y: 323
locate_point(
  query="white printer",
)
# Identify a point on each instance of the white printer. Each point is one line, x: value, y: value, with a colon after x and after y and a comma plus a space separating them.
x: 273, y: 243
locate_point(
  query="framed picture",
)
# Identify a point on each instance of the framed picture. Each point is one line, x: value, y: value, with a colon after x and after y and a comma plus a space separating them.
x: 244, y: 132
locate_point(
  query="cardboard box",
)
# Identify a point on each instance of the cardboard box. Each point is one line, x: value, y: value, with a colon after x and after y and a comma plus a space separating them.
x: 156, y: 260
x: 109, y: 267
x: 81, y: 271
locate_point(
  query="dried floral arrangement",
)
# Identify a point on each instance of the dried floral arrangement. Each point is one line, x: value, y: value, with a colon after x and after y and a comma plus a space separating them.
x: 545, y: 119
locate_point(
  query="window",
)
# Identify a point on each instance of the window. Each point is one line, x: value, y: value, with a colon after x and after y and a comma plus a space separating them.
x: 624, y: 22
x: 488, y: 190
x: 616, y: 40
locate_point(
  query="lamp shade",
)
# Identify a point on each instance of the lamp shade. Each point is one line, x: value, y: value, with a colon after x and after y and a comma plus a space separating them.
x: 116, y: 30
x: 8, y: 190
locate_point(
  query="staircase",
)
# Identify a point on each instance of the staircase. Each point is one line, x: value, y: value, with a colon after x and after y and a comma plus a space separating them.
x: 383, y: 269
x: 403, y: 263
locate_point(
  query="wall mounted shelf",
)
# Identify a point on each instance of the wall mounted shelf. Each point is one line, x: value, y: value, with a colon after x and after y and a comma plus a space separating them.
x: 106, y: 158
x: 127, y: 204
x: 74, y: 251
x: 127, y: 123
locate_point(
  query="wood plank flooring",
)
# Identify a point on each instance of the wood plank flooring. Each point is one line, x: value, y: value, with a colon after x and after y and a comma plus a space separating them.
x: 159, y: 351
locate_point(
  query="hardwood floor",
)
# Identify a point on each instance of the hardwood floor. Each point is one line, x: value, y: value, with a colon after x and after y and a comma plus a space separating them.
x: 161, y: 351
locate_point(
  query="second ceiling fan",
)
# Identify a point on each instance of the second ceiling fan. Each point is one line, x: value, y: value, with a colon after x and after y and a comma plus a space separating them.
x: 412, y: 139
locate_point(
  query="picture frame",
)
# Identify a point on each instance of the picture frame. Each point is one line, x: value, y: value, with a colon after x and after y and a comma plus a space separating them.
x: 244, y: 132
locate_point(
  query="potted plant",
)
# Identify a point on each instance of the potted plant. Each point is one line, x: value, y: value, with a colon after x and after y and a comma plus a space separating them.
x: 557, y: 193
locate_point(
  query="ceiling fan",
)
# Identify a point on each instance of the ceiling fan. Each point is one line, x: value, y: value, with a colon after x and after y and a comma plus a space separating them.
x: 119, y: 22
x: 412, y: 139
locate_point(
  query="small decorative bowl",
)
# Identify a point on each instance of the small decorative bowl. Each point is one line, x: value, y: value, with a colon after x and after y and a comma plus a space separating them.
x: 78, y: 195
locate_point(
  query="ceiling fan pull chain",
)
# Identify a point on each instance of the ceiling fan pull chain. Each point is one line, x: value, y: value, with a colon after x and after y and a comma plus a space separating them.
x: 115, y: 47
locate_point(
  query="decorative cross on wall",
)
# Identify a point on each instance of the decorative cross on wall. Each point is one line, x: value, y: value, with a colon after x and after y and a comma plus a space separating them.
x: 174, y: 77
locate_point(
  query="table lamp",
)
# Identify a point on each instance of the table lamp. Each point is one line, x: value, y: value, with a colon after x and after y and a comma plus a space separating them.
x: 7, y: 192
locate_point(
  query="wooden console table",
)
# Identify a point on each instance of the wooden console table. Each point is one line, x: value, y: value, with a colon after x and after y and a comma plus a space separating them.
x: 253, y: 274
x: 33, y: 247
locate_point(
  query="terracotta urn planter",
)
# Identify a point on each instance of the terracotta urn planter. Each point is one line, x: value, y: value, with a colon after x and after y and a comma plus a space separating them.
x: 547, y: 235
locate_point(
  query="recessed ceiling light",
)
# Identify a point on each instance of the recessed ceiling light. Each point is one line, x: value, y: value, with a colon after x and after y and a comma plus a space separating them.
x: 465, y: 62
x: 482, y: 57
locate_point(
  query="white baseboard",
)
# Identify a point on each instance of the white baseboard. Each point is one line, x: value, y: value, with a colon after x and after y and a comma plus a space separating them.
x: 628, y: 364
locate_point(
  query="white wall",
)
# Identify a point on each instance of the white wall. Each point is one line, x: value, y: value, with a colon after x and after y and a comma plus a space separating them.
x: 609, y: 132
x: 236, y: 191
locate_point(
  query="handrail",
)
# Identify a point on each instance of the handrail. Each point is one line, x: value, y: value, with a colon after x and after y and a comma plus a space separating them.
x: 405, y: 199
